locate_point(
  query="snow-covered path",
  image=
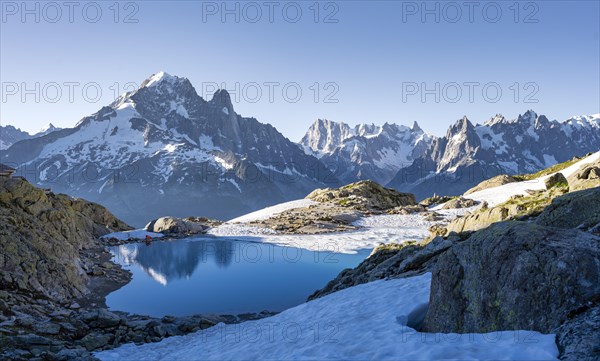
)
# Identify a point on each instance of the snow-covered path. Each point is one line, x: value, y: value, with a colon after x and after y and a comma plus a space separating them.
x: 365, y: 322
x: 500, y: 194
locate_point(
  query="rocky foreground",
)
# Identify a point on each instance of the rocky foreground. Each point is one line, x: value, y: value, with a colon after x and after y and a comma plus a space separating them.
x: 530, y: 263
x: 55, y: 275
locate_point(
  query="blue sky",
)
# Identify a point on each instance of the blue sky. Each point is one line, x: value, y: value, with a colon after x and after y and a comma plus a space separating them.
x: 371, y: 64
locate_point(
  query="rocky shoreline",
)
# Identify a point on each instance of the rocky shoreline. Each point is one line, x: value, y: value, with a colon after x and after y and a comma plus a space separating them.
x: 36, y: 327
x: 58, y: 312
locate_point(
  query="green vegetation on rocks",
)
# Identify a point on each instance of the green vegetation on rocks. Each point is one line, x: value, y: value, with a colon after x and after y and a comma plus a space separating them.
x: 555, y: 168
x: 41, y: 236
x: 337, y: 209
x: 363, y: 196
x: 491, y: 183
x: 513, y: 276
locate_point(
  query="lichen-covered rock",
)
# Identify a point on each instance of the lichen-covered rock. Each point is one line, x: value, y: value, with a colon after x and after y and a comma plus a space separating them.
x: 175, y: 226
x: 556, y: 180
x: 575, y: 209
x: 477, y: 220
x: 588, y: 176
x: 364, y: 196
x: 517, y: 208
x: 315, y: 219
x: 336, y: 210
x: 41, y: 236
x: 491, y: 183
x: 513, y: 276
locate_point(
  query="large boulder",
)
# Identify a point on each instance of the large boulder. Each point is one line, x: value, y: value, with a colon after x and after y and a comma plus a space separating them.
x: 364, y: 196
x: 588, y: 176
x: 556, y: 180
x: 491, y: 183
x: 575, y: 209
x: 478, y: 220
x: 175, y: 226
x: 513, y: 276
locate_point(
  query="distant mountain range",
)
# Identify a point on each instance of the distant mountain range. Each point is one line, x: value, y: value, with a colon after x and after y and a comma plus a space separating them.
x: 469, y: 154
x: 9, y: 135
x: 410, y: 160
x: 164, y: 150
x: 365, y: 151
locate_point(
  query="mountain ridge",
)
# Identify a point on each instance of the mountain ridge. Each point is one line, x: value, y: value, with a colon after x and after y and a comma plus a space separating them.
x: 164, y: 146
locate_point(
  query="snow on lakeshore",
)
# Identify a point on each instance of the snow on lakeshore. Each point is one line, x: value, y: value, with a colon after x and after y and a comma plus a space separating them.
x: 273, y: 210
x: 365, y: 322
x: 377, y: 230
x: 137, y: 234
x: 500, y: 194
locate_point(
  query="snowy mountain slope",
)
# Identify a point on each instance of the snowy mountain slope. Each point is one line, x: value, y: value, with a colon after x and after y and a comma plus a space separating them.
x: 365, y: 322
x: 365, y: 151
x: 9, y: 135
x: 163, y: 149
x: 469, y: 154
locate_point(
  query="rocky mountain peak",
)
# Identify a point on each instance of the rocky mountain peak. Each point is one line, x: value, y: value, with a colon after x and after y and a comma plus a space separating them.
x: 415, y: 127
x: 462, y: 126
x: 221, y: 98
x: 529, y: 116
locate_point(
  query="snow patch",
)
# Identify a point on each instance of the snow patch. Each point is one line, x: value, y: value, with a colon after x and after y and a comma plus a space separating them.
x: 365, y: 322
x: 273, y: 210
x: 500, y: 194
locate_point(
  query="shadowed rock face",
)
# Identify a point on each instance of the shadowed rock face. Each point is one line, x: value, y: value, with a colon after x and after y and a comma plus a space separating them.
x: 511, y: 276
x: 41, y: 236
x: 579, y: 209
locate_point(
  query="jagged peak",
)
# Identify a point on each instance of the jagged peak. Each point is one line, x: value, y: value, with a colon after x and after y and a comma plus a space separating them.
x: 463, y: 124
x: 49, y: 127
x: 529, y: 116
x: 222, y: 98
x: 496, y: 119
x: 415, y: 127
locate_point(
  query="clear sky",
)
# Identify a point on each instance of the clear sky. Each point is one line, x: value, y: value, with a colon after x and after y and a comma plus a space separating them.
x: 371, y: 59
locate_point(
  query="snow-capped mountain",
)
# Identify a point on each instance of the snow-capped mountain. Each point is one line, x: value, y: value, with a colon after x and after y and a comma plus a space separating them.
x: 46, y: 130
x: 469, y: 154
x: 365, y: 151
x: 164, y: 150
x: 9, y: 135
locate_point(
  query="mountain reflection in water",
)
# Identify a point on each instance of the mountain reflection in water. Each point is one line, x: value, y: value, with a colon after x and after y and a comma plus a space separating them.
x: 168, y: 261
x: 222, y: 276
